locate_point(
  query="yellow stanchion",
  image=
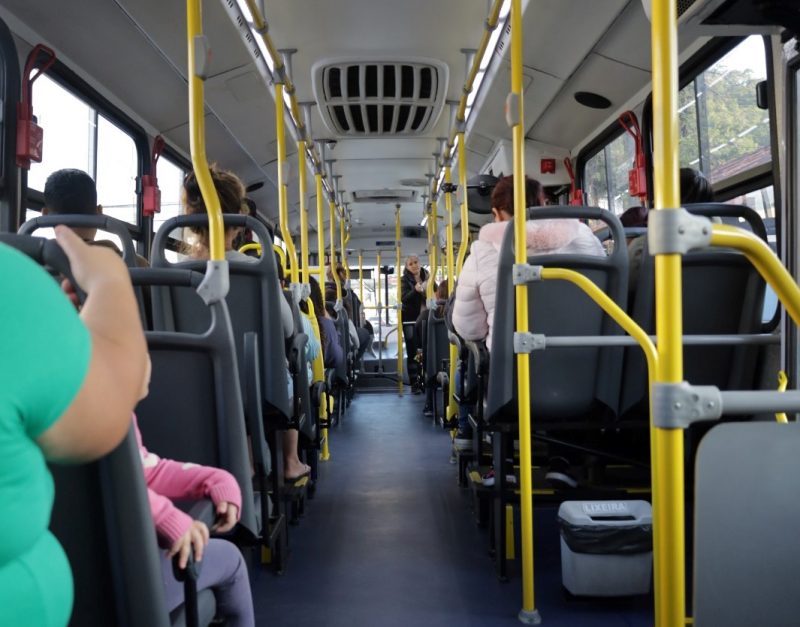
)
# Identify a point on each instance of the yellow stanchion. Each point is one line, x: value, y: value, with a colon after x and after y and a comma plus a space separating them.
x: 462, y: 182
x: 325, y: 453
x: 361, y: 278
x: 452, y: 405
x: 198, y: 57
x: 282, y: 256
x: 342, y: 247
x: 399, y: 297
x: 668, y: 457
x: 783, y: 381
x: 431, y: 259
x: 528, y: 614
x: 301, y: 173
x: 434, y: 250
x: 332, y: 264
x: 282, y: 191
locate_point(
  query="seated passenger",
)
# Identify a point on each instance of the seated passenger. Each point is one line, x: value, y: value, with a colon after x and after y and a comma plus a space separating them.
x: 473, y: 309
x: 332, y: 352
x: 223, y: 567
x: 231, y: 196
x: 73, y: 193
x: 79, y: 413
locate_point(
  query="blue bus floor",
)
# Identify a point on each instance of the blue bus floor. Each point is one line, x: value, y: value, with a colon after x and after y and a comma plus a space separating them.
x: 390, y: 540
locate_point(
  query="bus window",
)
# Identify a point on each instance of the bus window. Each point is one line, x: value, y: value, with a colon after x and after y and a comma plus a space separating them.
x: 606, y: 175
x: 170, y: 182
x: 116, y: 171
x: 723, y: 132
x: 69, y: 131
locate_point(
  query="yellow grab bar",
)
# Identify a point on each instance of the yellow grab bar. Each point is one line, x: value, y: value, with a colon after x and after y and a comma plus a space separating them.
x: 251, y: 246
x: 301, y: 171
x: 462, y: 182
x: 783, y: 381
x: 332, y: 264
x: 320, y: 233
x: 668, y: 457
x: 283, y: 208
x: 452, y: 405
x: 198, y: 54
x: 399, y: 297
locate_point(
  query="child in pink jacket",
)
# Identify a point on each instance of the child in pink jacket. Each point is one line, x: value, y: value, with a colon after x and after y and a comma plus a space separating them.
x: 223, y: 568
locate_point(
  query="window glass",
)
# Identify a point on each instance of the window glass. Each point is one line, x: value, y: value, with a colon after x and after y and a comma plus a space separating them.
x: 723, y: 132
x: 69, y: 131
x: 595, y: 182
x: 170, y: 182
x: 116, y: 171
x: 606, y: 175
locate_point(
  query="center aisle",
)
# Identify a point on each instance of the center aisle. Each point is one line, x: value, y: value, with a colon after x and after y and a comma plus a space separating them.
x: 389, y: 539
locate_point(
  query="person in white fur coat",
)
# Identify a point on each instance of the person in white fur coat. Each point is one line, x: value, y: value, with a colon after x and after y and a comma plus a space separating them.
x: 473, y: 310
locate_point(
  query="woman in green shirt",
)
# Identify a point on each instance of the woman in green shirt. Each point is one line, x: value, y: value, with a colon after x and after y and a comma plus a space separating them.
x: 81, y: 411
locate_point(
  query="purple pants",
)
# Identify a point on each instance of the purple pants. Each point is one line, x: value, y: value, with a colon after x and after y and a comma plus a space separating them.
x: 224, y: 571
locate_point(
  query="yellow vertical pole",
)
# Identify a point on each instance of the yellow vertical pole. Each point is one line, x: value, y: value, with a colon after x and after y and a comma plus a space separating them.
x: 380, y: 311
x: 325, y: 453
x: 197, y: 133
x: 332, y: 218
x: 462, y: 183
x: 342, y: 243
x: 528, y: 614
x: 668, y: 488
x: 282, y: 191
x: 361, y: 277
x: 399, y: 297
x: 434, y: 250
x: 452, y: 405
x: 301, y: 167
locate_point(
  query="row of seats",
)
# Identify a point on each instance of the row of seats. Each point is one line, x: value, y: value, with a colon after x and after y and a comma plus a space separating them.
x: 218, y: 397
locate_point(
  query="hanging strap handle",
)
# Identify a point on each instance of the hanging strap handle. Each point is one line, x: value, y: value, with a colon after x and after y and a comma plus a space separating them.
x: 151, y: 194
x: 637, y: 176
x: 30, y: 135
x: 575, y: 193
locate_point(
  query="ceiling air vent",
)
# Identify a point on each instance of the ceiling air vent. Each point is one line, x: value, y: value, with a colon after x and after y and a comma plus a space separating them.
x: 384, y: 195
x: 360, y: 98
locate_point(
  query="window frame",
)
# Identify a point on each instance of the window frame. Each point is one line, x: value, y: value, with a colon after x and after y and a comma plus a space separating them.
x: 69, y: 80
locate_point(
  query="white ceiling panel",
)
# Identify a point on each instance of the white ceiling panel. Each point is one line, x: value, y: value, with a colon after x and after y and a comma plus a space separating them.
x: 566, y: 122
x: 629, y: 39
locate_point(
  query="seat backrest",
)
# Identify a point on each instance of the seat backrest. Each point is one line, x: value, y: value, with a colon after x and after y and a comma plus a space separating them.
x: 438, y: 345
x: 722, y: 294
x: 565, y: 382
x: 194, y: 410
x: 746, y: 517
x: 253, y: 305
x: 102, y: 518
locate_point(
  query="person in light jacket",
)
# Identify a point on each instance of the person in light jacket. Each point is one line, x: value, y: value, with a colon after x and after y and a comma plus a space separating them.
x: 473, y: 310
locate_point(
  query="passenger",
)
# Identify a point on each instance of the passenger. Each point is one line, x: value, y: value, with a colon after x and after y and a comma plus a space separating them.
x: 695, y: 188
x: 224, y: 569
x: 332, y: 352
x: 414, y: 282
x: 473, y: 309
x: 81, y: 411
x: 442, y: 294
x: 361, y: 336
x: 73, y: 192
x: 231, y: 195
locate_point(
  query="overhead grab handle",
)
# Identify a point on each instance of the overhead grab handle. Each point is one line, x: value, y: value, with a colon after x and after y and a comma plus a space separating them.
x: 637, y: 176
x: 30, y: 135
x: 151, y: 194
x: 575, y: 193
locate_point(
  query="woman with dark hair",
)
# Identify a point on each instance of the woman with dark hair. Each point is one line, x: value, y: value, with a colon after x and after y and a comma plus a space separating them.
x: 332, y: 353
x: 413, y: 284
x: 695, y: 187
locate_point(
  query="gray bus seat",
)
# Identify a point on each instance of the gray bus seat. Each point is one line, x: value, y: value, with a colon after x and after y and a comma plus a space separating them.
x: 746, y: 554
x: 722, y: 294
x: 566, y: 383
x: 437, y: 359
x: 194, y: 411
x: 252, y: 302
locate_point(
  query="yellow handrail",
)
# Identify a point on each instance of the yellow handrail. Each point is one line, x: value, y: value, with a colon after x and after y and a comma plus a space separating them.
x: 764, y: 260
x: 528, y: 614
x: 452, y: 405
x: 283, y: 208
x: 462, y: 183
x: 342, y: 248
x: 251, y: 246
x: 320, y: 232
x: 668, y: 456
x: 399, y: 297
x: 197, y: 130
x: 332, y: 264
x: 783, y: 381
x: 301, y: 171
x: 282, y: 256
x: 361, y: 279
x: 434, y: 250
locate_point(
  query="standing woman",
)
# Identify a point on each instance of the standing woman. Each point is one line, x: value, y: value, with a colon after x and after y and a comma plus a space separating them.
x: 414, y: 282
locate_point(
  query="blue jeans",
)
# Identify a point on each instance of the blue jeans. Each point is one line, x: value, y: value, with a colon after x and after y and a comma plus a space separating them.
x: 463, y: 408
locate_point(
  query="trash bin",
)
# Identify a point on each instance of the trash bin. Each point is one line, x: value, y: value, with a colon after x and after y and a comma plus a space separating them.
x: 606, y: 547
